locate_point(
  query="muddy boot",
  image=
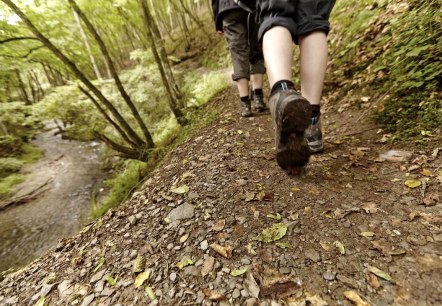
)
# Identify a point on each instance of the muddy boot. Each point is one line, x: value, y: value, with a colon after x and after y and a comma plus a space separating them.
x: 259, y: 104
x: 246, y: 109
x: 292, y: 115
x: 314, y: 135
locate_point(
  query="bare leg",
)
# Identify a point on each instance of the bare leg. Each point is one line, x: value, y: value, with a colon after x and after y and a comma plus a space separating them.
x: 243, y: 87
x: 314, y: 58
x: 278, y: 53
x: 257, y: 80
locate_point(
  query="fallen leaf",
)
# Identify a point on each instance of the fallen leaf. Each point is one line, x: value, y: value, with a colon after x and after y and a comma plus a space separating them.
x: 426, y: 172
x: 139, y: 264
x: 340, y: 246
x: 150, y: 293
x: 366, y: 234
x: 283, y: 245
x: 219, y: 226
x: 250, y: 249
x: 373, y: 281
x: 379, y: 273
x: 274, y: 217
x: 260, y: 196
x: 239, y: 272
x: 412, y: 183
x: 370, y: 208
x: 141, y: 278
x: 185, y: 263
x: 250, y: 196
x: 221, y: 250
x: 431, y: 199
x: 41, y: 301
x: 180, y: 190
x: 213, y: 295
x: 110, y: 280
x: 251, y: 286
x: 207, y: 266
x: 355, y: 298
x: 325, y: 245
x: 100, y: 263
x: 273, y: 233
x: 184, y: 238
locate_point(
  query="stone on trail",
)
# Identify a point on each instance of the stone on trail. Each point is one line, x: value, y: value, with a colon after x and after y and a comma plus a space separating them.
x: 88, y: 300
x: 182, y: 212
x: 396, y: 156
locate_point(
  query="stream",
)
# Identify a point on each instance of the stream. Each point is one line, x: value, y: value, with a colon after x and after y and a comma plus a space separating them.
x: 69, y: 173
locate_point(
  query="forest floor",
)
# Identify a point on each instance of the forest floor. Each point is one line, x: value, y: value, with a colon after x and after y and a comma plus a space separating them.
x: 353, y: 226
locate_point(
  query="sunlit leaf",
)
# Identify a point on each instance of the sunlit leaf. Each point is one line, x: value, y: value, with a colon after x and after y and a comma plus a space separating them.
x: 141, y: 278
x: 273, y: 233
x: 412, y: 183
x: 379, y: 273
x: 239, y: 271
x: 180, y: 190
x: 340, y: 247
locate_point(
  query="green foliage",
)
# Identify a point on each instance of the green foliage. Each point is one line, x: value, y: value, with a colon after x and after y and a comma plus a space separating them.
x: 10, y: 146
x: 201, y: 88
x: 393, y: 50
x: 126, y: 178
x: 8, y: 182
x: 9, y: 165
x: 17, y: 121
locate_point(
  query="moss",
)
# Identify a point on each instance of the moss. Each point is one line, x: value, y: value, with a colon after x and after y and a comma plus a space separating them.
x: 7, y: 183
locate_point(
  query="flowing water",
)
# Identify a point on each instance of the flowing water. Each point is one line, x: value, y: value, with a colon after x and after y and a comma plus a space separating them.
x: 70, y: 172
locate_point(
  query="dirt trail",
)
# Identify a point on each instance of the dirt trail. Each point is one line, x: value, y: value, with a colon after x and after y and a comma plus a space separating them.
x: 347, y: 227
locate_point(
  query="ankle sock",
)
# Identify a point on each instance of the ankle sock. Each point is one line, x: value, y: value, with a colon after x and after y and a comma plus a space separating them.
x: 316, y: 110
x: 257, y: 92
x: 282, y: 85
x: 245, y: 98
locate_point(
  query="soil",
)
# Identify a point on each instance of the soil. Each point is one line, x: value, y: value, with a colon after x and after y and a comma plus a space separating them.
x: 348, y: 230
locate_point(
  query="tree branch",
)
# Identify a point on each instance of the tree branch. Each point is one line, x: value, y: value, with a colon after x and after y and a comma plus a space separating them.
x: 4, y: 41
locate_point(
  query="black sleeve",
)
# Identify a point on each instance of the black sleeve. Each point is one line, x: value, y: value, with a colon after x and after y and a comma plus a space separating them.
x: 216, y: 19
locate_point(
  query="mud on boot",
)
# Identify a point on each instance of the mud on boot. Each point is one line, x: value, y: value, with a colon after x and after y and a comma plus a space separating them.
x: 292, y: 115
x: 258, y: 103
x: 246, y: 109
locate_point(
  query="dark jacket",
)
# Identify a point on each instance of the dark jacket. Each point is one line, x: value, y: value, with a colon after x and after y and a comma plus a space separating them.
x: 221, y: 6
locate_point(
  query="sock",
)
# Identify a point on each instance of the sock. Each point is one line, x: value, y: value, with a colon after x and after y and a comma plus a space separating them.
x: 316, y: 112
x: 257, y: 92
x: 245, y: 99
x: 282, y: 85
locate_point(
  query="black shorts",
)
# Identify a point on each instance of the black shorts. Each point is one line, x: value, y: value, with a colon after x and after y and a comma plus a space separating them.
x: 300, y: 17
x: 241, y: 32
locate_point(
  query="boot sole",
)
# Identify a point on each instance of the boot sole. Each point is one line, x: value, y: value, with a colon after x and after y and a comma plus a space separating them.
x: 292, y: 150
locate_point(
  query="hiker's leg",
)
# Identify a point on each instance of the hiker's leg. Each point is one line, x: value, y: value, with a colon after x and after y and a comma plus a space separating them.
x: 313, y: 47
x: 257, y: 81
x: 235, y: 29
x: 312, y: 28
x: 257, y: 66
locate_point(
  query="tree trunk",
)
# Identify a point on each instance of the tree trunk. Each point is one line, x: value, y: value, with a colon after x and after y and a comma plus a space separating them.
x: 127, y: 99
x: 87, y: 45
x: 24, y: 93
x: 133, y: 135
x: 172, y: 97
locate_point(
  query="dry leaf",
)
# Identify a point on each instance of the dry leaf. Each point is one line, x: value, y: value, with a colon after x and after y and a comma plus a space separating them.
x: 373, y: 281
x: 219, y: 226
x: 412, y: 183
x: 379, y: 273
x: 370, y: 208
x: 366, y: 234
x: 184, y: 238
x: 184, y: 263
x: 221, y: 250
x: 355, y: 298
x: 213, y: 295
x: 340, y: 247
x: 239, y: 271
x: 273, y: 233
x: 141, y: 278
x: 431, y: 199
x: 180, y: 190
x: 207, y: 266
x: 150, y: 293
x: 274, y: 217
x: 426, y: 172
x: 325, y: 245
x: 139, y: 264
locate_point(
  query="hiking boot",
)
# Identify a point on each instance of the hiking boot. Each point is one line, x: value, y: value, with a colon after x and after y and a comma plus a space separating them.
x: 291, y: 113
x: 259, y: 103
x: 246, y: 110
x: 314, y: 135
